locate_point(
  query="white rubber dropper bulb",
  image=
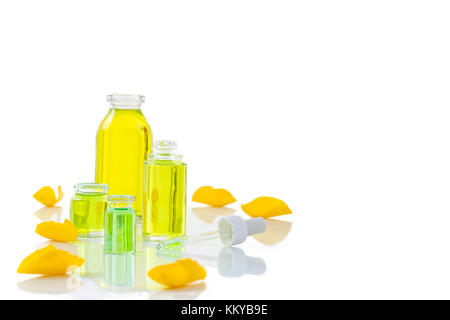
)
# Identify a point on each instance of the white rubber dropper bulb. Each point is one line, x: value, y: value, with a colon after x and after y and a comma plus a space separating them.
x: 234, y: 230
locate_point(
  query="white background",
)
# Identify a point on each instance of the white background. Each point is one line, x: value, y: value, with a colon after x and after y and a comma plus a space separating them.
x: 339, y: 108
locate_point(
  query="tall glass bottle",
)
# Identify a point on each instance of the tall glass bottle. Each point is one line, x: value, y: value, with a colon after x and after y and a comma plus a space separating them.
x: 124, y: 140
x: 164, y: 193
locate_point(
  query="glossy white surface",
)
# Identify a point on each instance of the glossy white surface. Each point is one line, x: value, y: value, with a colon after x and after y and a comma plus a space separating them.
x: 105, y: 276
x: 339, y: 108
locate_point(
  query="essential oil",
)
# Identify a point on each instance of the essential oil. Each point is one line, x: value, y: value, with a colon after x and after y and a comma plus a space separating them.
x: 120, y: 225
x: 124, y: 140
x: 87, y: 208
x: 164, y: 193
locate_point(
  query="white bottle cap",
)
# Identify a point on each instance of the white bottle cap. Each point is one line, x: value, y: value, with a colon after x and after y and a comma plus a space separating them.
x: 234, y: 230
x: 233, y: 262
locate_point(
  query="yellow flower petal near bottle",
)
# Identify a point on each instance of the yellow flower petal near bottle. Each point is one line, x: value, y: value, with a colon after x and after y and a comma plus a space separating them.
x: 46, y: 195
x: 178, y: 274
x: 50, y: 261
x: 266, y: 207
x: 57, y: 231
x: 213, y: 197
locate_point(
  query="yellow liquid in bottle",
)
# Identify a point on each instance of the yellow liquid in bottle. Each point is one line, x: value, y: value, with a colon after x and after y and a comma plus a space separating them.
x: 164, y: 199
x: 123, y: 143
x: 164, y: 192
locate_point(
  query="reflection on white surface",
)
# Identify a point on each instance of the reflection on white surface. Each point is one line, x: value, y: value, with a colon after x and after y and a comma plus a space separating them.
x: 50, y: 284
x: 277, y: 231
x: 119, y: 272
x: 91, y: 289
x: 125, y: 276
x: 172, y: 253
x: 189, y: 292
x: 209, y: 214
x: 46, y: 214
x: 232, y: 262
x: 148, y: 258
x: 66, y: 246
x: 91, y: 250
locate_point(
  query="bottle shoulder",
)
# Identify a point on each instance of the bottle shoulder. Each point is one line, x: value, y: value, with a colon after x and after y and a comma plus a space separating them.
x: 124, y: 119
x: 158, y: 162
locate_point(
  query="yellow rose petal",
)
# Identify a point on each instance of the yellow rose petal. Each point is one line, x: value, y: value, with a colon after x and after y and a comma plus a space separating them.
x: 57, y: 231
x: 46, y: 196
x: 50, y: 261
x: 266, y: 207
x: 177, y: 274
x: 213, y: 197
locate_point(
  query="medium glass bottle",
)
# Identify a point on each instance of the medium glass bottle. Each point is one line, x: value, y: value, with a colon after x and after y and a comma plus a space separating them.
x: 120, y: 225
x: 164, y: 193
x: 87, y: 208
x: 124, y: 140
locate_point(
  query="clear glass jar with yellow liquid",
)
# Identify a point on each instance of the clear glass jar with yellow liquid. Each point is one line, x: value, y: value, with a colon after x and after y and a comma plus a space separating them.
x: 88, y: 207
x: 164, y: 212
x: 124, y: 140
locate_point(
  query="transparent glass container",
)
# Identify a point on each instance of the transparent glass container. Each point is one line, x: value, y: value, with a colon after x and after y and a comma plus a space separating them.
x: 124, y: 140
x: 164, y: 203
x: 120, y: 225
x: 88, y: 207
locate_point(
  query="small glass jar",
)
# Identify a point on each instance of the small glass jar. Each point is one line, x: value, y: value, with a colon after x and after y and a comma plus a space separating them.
x: 88, y: 207
x: 120, y: 225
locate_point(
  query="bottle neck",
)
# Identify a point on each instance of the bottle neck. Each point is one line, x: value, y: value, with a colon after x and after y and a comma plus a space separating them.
x: 124, y: 107
x: 125, y: 101
x: 120, y: 201
x: 165, y: 150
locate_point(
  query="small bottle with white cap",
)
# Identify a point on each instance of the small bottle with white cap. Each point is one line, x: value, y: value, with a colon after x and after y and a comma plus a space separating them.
x: 232, y: 230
